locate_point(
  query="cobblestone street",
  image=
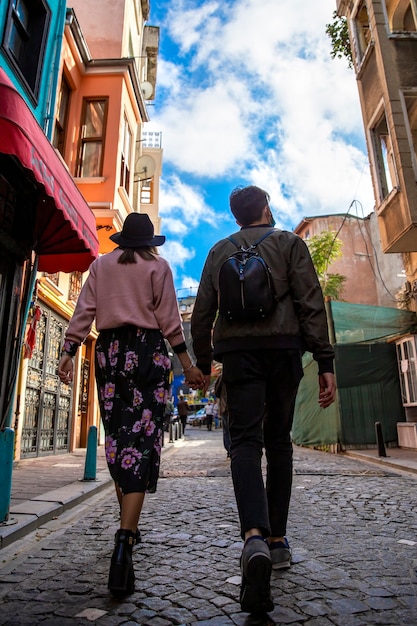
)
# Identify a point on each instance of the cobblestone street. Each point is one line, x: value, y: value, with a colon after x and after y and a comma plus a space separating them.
x: 352, y: 527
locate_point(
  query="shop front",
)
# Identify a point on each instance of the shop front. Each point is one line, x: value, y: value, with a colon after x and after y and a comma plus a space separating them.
x: 45, y: 225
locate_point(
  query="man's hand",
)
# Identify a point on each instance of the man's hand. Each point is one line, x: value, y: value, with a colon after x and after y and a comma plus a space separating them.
x: 206, y: 383
x: 66, y: 369
x: 194, y: 378
x: 327, y: 393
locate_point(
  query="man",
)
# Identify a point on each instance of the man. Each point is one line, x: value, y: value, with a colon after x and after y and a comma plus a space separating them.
x: 169, y: 411
x: 262, y: 370
x: 209, y: 415
x: 182, y: 407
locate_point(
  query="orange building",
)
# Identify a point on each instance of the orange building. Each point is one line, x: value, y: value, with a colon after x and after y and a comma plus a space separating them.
x: 108, y: 74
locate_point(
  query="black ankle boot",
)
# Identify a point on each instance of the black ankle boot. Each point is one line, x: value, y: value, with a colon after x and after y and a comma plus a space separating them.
x: 138, y: 537
x: 121, y: 575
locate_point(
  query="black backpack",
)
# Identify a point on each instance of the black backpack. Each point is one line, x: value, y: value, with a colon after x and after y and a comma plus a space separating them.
x: 246, y: 290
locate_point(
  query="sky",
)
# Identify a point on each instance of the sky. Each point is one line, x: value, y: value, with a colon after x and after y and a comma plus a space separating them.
x: 247, y: 94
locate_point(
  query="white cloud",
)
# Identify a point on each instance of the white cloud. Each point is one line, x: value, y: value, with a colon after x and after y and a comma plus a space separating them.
x: 247, y: 93
x: 182, y: 206
x: 211, y: 132
x: 177, y: 255
x: 261, y: 98
x: 189, y: 284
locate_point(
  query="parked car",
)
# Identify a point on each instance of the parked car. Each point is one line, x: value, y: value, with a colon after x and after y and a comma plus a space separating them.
x: 197, y: 418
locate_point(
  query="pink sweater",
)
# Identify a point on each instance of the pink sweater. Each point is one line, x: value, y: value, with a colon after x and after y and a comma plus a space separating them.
x: 141, y: 294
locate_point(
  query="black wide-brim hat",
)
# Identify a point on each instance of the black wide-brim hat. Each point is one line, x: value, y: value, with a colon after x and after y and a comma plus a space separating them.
x: 137, y: 232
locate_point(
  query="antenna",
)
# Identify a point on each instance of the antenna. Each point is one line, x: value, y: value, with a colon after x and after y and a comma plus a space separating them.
x: 145, y: 167
x: 147, y: 89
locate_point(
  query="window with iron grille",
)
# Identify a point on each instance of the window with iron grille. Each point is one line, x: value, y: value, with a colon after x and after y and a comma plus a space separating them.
x: 75, y: 285
x: 54, y: 278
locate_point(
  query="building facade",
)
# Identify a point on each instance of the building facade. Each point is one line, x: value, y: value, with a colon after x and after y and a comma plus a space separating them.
x: 383, y: 37
x: 106, y: 76
x: 383, y: 43
x: 45, y: 223
x: 372, y: 278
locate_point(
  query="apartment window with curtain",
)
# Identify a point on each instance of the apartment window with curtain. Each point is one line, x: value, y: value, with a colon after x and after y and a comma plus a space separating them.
x: 93, y: 130
x: 384, y: 158
x: 61, y: 120
x: 25, y: 36
x: 126, y: 156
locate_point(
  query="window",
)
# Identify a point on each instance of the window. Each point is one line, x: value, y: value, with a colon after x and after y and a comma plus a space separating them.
x: 25, y: 35
x: 407, y: 362
x: 384, y: 158
x: 76, y: 282
x: 126, y: 156
x: 411, y: 107
x: 54, y: 278
x: 362, y: 31
x: 61, y: 116
x: 402, y: 15
x: 93, y: 125
x: 146, y: 192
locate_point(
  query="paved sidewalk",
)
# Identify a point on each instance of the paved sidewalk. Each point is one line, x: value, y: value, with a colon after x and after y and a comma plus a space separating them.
x: 397, y: 458
x: 44, y: 487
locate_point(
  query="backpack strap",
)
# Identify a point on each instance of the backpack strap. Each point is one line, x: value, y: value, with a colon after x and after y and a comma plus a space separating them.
x: 252, y: 246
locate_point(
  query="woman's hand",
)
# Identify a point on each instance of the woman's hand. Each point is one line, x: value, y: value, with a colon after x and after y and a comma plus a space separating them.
x: 66, y: 369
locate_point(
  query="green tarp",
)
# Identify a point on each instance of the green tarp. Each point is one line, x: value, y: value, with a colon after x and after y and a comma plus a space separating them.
x: 367, y: 378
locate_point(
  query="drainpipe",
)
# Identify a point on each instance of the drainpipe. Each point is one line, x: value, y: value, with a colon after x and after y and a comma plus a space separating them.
x: 7, y: 433
x: 330, y: 321
x: 53, y: 85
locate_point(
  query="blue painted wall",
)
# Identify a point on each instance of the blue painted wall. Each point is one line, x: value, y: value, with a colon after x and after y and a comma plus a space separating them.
x: 45, y: 106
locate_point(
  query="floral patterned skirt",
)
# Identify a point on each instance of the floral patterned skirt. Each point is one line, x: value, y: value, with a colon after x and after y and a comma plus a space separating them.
x: 132, y: 375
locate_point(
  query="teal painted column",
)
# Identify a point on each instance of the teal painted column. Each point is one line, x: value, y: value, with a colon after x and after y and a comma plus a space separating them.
x: 6, y: 457
x: 90, y: 469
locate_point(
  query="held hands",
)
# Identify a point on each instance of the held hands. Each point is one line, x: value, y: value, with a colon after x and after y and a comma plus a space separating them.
x: 66, y: 369
x: 206, y: 383
x: 327, y: 393
x: 194, y: 378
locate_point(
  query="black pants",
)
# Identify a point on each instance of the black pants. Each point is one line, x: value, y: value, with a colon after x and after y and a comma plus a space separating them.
x: 261, y: 390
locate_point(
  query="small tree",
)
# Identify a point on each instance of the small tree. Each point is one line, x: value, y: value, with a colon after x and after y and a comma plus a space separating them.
x: 325, y: 248
x: 339, y: 34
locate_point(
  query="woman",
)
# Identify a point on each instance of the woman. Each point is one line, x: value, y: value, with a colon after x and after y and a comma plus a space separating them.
x: 130, y: 293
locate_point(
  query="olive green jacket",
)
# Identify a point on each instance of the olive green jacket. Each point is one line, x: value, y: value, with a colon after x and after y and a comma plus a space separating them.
x: 298, y: 321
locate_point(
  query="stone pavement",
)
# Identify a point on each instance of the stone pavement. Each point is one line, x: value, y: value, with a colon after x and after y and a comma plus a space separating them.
x: 353, y: 528
x: 45, y: 487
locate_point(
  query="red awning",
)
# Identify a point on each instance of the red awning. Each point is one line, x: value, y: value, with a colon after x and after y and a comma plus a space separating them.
x: 65, y: 228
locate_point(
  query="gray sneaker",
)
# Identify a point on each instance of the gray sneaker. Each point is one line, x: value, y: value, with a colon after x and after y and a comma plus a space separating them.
x: 255, y: 592
x: 280, y: 554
